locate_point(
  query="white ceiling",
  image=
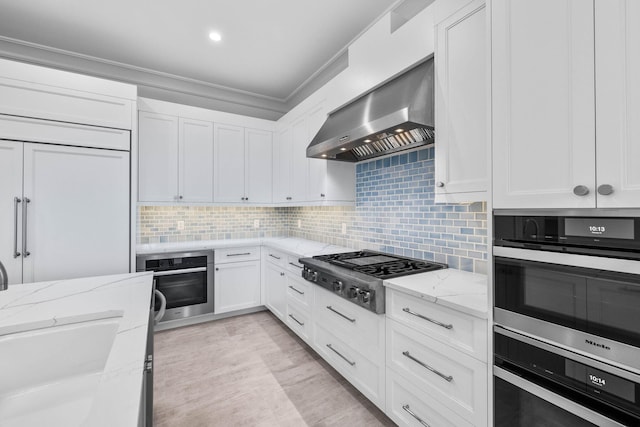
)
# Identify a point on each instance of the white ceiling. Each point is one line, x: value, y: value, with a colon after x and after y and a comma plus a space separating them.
x: 269, y: 48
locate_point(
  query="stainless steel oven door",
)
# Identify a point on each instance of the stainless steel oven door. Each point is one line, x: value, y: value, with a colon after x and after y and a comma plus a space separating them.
x: 587, y: 304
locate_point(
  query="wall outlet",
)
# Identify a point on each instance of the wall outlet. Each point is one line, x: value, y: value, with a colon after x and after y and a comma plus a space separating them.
x: 299, y: 224
x: 256, y: 223
x: 180, y: 225
x: 344, y: 228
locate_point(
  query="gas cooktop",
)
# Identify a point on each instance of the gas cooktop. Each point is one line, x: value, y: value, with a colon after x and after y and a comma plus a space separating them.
x: 358, y: 276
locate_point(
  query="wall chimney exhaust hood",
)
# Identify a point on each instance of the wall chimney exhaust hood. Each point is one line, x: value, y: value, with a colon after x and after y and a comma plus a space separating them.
x: 396, y: 116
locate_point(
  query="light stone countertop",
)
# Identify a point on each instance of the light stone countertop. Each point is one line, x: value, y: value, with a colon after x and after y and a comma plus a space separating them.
x: 460, y: 290
x: 117, y: 401
x: 292, y: 245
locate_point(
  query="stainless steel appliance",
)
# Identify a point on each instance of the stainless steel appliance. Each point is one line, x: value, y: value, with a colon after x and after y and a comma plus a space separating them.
x: 183, y: 279
x: 358, y: 276
x: 567, y: 282
x: 395, y: 116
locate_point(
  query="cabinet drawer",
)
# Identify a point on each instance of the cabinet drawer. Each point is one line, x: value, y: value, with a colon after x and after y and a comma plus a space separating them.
x: 456, y: 379
x: 294, y: 266
x: 406, y: 405
x: 352, y: 323
x: 299, y: 290
x: 223, y: 256
x: 275, y: 257
x: 462, y: 331
x: 298, y: 320
x: 366, y: 375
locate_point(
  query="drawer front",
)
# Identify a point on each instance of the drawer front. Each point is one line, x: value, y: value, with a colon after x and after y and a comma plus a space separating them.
x: 350, y: 322
x: 460, y: 330
x: 294, y: 266
x: 275, y: 257
x: 299, y: 320
x: 223, y: 256
x: 408, y: 406
x: 299, y: 290
x: 456, y: 379
x: 366, y: 375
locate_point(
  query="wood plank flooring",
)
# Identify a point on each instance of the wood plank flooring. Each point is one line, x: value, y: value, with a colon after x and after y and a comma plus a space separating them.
x: 250, y: 370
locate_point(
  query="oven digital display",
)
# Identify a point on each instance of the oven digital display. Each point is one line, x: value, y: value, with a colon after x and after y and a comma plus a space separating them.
x: 608, y: 228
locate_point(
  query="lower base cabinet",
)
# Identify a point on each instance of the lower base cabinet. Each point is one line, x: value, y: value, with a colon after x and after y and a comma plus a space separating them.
x: 237, y: 279
x: 275, y: 282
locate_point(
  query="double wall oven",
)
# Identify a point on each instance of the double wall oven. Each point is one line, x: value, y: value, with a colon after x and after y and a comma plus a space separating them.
x: 567, y: 318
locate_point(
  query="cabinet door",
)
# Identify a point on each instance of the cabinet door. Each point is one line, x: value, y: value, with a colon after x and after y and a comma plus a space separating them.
x: 282, y: 158
x: 229, y: 163
x: 10, y: 209
x: 275, y: 281
x: 196, y: 161
x: 259, y: 171
x: 461, y: 157
x: 317, y: 167
x: 237, y: 286
x: 78, y: 216
x: 299, y: 161
x: 543, y: 103
x: 618, y: 101
x: 158, y: 158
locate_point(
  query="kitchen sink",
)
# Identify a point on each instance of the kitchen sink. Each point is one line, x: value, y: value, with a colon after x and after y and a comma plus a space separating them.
x: 51, y: 369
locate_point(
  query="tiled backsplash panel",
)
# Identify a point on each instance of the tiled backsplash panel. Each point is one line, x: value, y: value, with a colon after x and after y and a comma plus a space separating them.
x: 395, y: 212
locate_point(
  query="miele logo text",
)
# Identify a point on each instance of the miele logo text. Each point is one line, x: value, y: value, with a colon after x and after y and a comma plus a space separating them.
x: 597, y: 380
x: 597, y: 344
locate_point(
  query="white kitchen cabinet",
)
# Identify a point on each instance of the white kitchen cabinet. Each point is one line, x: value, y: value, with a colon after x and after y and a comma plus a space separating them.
x: 72, y: 219
x: 282, y: 159
x: 275, y: 282
x: 565, y: 136
x: 242, y: 165
x: 461, y: 154
x: 290, y: 164
x: 237, y: 284
x: 175, y: 159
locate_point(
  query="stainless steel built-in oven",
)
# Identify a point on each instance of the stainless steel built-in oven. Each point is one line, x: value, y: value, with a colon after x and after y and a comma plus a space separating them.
x: 185, y: 279
x: 567, y: 282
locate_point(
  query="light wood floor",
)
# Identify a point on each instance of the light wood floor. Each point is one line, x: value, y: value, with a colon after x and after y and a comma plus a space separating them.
x: 250, y: 370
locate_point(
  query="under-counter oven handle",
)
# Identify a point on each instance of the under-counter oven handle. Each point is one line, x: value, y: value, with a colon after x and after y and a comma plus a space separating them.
x: 163, y: 305
x: 183, y: 271
x: 555, y: 399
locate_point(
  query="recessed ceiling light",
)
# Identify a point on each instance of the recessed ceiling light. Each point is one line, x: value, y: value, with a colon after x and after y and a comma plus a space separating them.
x: 399, y: 130
x: 343, y: 149
x: 324, y: 155
x: 367, y: 140
x: 215, y: 36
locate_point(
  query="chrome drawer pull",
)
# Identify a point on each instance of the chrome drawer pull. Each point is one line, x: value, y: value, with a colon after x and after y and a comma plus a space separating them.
x: 338, y: 353
x: 448, y: 378
x: 300, y: 292
x: 273, y: 256
x: 246, y: 253
x: 296, y: 265
x: 340, y: 314
x: 410, y: 412
x: 296, y: 320
x: 444, y: 325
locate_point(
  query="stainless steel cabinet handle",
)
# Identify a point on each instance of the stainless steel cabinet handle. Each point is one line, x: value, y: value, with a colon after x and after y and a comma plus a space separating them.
x: 244, y: 253
x: 16, y: 201
x: 180, y: 197
x: 338, y: 353
x: 340, y: 314
x: 444, y: 325
x: 300, y: 292
x: 296, y: 265
x: 410, y: 412
x: 448, y: 378
x: 580, y: 190
x: 25, y: 251
x: 605, y: 189
x: 440, y: 184
x: 273, y: 256
x: 288, y: 198
x: 183, y: 271
x: 296, y: 320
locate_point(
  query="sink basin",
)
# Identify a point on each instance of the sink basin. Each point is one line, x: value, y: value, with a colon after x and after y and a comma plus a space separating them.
x: 51, y: 369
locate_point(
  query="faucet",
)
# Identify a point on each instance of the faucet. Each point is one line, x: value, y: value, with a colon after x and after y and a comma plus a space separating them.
x: 4, y: 280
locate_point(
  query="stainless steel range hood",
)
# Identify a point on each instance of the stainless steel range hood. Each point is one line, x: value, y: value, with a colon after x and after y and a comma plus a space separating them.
x: 395, y: 116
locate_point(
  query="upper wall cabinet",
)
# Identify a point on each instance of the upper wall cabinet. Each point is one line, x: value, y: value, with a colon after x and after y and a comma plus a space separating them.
x: 243, y: 165
x: 565, y: 136
x: 461, y: 154
x: 175, y: 159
